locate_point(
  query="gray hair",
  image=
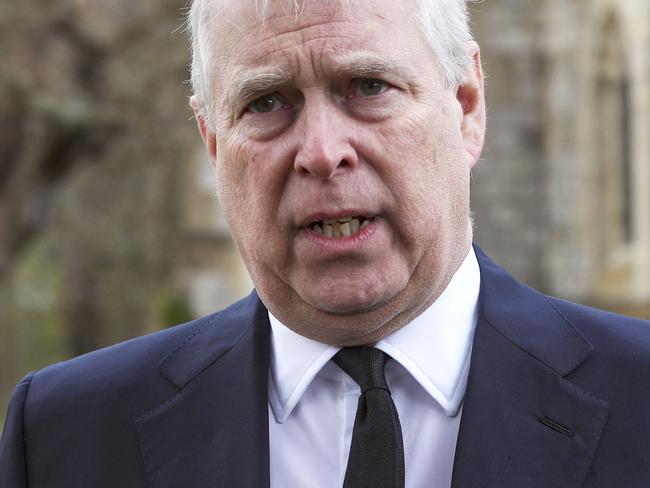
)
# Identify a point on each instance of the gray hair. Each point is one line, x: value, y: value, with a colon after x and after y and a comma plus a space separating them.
x: 444, y: 23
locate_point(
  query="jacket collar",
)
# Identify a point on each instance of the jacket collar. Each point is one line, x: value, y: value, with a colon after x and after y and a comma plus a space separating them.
x: 214, y: 431
x: 529, y: 319
x: 524, y: 423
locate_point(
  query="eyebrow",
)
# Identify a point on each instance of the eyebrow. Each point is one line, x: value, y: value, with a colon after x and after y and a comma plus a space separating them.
x: 262, y: 82
x: 356, y: 66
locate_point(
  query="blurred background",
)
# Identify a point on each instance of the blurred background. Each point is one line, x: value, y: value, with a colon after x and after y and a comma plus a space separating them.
x: 109, y: 227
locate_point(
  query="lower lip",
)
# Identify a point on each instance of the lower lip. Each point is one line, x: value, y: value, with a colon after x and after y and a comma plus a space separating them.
x: 341, y: 244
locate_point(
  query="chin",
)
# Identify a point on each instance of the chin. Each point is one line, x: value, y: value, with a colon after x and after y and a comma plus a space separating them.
x: 345, y: 305
x: 354, y: 294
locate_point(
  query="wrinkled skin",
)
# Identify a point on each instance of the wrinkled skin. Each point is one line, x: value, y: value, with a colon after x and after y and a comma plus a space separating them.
x: 361, y: 123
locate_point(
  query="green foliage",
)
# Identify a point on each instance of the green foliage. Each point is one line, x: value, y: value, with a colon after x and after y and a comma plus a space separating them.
x: 170, y: 307
x: 32, y: 324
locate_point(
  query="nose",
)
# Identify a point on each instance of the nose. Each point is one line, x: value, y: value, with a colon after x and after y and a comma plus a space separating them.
x: 325, y: 144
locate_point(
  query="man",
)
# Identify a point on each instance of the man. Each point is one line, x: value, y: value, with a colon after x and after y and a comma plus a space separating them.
x: 343, y: 134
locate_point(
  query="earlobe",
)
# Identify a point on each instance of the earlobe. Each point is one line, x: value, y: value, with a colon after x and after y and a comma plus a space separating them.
x: 471, y: 97
x: 208, y: 136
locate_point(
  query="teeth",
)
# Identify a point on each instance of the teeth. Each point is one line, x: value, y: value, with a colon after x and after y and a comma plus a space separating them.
x: 343, y: 227
x: 340, y: 221
x: 354, y: 226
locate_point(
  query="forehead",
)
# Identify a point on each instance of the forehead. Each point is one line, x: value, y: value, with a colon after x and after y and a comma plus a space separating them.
x: 318, y: 31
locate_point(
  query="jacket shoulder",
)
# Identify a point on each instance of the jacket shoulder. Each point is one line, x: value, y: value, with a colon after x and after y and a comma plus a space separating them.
x: 125, y: 377
x: 607, y: 331
x: 133, y: 360
x: 618, y: 370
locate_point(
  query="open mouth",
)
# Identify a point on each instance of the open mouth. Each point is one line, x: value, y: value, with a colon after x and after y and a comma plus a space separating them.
x: 343, y: 227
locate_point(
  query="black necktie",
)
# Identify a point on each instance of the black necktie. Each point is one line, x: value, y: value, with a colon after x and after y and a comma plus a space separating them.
x: 377, y: 453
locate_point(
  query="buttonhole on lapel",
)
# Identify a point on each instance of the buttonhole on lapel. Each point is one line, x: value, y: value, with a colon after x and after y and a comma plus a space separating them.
x: 557, y: 427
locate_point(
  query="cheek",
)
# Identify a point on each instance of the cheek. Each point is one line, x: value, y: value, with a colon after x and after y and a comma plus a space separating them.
x: 421, y: 156
x: 252, y: 166
x: 427, y: 173
x: 233, y: 159
x: 249, y: 186
x: 235, y: 189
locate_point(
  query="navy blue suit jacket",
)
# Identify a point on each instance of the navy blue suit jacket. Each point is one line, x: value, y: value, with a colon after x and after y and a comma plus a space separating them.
x: 558, y: 397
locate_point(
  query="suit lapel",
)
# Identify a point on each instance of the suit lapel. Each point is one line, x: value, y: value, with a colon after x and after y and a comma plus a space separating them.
x: 524, y: 423
x: 214, y: 431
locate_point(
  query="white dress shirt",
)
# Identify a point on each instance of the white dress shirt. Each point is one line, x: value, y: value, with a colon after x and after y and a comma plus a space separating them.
x: 312, y: 403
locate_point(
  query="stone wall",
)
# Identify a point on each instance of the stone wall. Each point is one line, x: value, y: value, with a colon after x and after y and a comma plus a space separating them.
x: 550, y: 192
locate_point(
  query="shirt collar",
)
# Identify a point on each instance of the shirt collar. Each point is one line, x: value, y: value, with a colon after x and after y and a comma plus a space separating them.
x: 434, y: 348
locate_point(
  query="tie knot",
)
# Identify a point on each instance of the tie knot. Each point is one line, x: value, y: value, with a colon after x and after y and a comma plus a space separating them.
x: 365, y: 365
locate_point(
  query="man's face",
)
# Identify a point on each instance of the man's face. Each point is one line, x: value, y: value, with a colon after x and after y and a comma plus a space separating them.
x: 342, y: 163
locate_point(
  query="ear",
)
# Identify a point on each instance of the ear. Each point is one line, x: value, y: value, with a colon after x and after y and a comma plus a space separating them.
x: 208, y: 136
x: 471, y: 97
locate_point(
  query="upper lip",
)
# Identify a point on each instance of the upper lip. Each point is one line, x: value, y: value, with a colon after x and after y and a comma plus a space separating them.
x: 334, y: 215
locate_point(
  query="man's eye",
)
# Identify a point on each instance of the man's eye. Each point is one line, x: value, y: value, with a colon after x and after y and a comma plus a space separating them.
x: 369, y: 87
x: 265, y: 104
